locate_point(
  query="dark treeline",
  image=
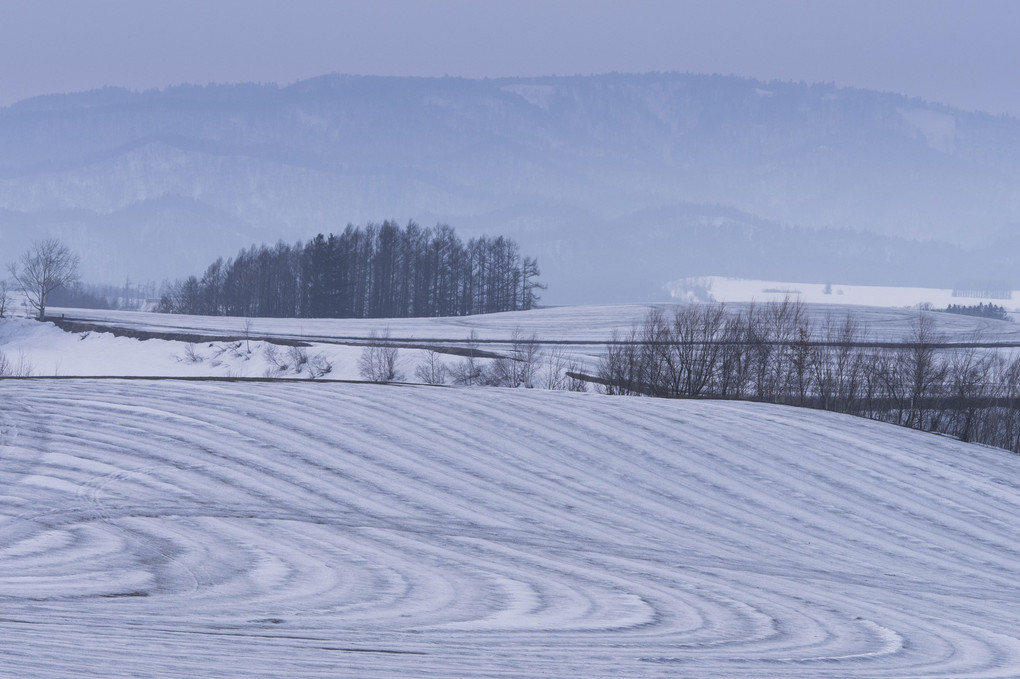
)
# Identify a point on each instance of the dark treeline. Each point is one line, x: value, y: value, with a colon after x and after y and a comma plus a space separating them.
x: 94, y: 296
x: 379, y: 271
x: 980, y: 310
x: 773, y: 353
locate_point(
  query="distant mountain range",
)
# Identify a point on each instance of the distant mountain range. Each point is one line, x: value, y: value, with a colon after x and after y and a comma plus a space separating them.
x: 618, y: 183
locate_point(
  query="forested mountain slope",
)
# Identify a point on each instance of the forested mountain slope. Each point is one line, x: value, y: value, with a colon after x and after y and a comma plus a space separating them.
x: 667, y: 174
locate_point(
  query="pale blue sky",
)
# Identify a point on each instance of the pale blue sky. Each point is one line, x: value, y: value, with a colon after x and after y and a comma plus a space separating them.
x: 962, y: 53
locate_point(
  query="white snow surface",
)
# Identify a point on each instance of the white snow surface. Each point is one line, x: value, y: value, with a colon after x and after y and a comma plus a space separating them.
x: 48, y: 351
x: 574, y: 334
x: 282, y: 529
x: 725, y: 289
x: 579, y: 332
x: 580, y: 324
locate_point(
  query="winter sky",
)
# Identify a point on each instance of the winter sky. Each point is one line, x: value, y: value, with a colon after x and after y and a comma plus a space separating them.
x: 962, y: 53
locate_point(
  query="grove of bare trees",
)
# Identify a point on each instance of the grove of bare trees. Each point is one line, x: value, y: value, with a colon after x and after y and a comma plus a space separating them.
x: 774, y: 353
x: 379, y: 271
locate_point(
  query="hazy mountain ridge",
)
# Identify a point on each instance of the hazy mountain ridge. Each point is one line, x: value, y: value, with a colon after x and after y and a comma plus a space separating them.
x: 627, y: 156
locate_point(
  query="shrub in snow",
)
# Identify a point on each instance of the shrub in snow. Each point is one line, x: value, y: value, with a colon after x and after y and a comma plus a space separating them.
x: 20, y: 368
x: 432, y: 370
x: 277, y: 362
x: 319, y: 366
x: 190, y: 355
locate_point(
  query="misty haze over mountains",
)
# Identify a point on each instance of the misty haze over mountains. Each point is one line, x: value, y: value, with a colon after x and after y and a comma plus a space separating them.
x: 617, y: 183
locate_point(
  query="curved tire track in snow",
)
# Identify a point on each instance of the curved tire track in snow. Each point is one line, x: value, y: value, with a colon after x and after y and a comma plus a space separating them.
x: 218, y: 529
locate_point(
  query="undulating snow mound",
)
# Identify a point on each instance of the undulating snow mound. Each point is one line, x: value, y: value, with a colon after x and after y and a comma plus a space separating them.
x: 310, y: 529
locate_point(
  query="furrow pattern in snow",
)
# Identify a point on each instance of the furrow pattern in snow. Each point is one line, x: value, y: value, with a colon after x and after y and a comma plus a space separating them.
x: 287, y: 529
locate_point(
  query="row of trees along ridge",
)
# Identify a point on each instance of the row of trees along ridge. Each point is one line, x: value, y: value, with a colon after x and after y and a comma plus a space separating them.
x: 378, y: 271
x: 775, y: 353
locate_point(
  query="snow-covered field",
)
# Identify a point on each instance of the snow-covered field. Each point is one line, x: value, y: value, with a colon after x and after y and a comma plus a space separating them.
x: 47, y: 351
x: 724, y: 289
x: 575, y: 332
x: 580, y: 324
x: 577, y: 323
x: 167, y: 528
x: 172, y: 528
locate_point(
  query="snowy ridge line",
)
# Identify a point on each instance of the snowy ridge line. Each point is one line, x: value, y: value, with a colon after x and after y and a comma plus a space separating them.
x: 594, y: 324
x: 200, y: 378
x: 210, y: 528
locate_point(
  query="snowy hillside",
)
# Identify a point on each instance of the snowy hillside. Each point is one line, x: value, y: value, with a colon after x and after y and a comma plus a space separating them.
x: 288, y: 530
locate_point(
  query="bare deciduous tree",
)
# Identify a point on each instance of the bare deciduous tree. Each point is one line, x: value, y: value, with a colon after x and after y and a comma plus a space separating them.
x: 378, y: 361
x: 468, y: 372
x: 921, y: 370
x: 432, y: 370
x: 773, y: 353
x: 519, y: 368
x: 554, y: 373
x: 5, y: 298
x: 46, y: 266
x: 22, y: 368
x: 246, y: 331
x: 560, y: 372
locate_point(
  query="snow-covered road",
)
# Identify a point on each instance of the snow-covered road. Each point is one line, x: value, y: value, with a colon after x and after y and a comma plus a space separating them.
x: 173, y: 528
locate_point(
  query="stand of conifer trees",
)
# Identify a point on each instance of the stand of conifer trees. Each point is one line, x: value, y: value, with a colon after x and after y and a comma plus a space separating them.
x: 379, y: 271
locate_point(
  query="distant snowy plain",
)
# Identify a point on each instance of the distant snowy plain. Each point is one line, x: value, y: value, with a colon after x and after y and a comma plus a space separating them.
x: 726, y: 289
x: 288, y: 529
